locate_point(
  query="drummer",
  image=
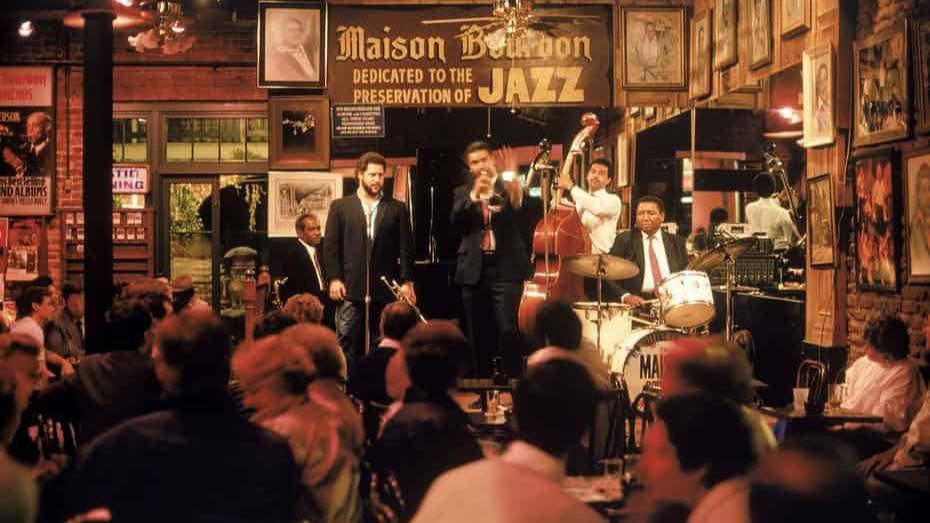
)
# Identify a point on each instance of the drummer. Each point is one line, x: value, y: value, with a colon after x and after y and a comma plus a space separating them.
x: 657, y: 254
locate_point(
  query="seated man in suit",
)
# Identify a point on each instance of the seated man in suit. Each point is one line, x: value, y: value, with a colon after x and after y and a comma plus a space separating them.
x: 655, y: 252
x: 303, y: 261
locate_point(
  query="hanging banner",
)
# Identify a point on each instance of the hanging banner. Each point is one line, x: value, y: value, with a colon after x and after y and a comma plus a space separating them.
x: 27, y: 149
x: 388, y: 56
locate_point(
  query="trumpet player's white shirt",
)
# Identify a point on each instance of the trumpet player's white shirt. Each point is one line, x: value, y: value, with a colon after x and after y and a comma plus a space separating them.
x: 767, y: 216
x: 599, y: 213
x: 893, y: 391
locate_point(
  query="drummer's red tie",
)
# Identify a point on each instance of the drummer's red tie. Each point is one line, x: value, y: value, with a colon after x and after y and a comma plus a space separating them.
x: 654, y: 265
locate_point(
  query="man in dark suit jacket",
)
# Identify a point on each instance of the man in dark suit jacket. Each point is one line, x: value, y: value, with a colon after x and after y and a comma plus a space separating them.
x: 367, y: 236
x: 303, y: 260
x: 492, y: 259
x: 655, y: 252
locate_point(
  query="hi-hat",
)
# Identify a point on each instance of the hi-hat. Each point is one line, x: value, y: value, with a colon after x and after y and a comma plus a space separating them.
x: 718, y: 254
x: 601, y: 265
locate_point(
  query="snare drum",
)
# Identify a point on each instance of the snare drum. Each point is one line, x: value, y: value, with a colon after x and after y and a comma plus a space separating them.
x: 616, y: 324
x: 640, y: 359
x: 687, y: 300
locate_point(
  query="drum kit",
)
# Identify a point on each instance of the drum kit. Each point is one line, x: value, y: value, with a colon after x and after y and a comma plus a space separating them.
x: 684, y: 306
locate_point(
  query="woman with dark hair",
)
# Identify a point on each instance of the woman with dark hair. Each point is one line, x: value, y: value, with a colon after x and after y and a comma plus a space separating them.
x: 885, y: 382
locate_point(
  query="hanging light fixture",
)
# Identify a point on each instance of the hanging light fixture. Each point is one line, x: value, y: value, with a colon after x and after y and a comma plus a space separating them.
x: 167, y: 30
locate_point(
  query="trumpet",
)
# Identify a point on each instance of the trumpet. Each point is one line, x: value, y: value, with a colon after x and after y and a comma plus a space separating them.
x: 400, y: 296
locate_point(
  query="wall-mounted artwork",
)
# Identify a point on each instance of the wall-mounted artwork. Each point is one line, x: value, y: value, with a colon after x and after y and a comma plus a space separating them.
x: 701, y: 66
x: 817, y: 74
x: 291, y: 194
x: 917, y: 214
x: 922, y: 80
x: 821, y: 229
x: 795, y: 17
x: 654, y: 48
x: 881, y: 95
x: 623, y: 160
x: 291, y: 44
x: 724, y: 33
x: 299, y: 132
x: 876, y: 234
x: 760, y: 33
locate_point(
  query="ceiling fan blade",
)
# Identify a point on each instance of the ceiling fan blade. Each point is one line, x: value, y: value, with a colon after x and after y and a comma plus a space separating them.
x: 458, y: 20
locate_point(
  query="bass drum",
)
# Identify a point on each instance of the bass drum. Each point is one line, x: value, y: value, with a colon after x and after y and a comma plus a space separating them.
x: 639, y: 361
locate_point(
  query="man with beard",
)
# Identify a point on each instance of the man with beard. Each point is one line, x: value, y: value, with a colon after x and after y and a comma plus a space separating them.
x: 367, y: 236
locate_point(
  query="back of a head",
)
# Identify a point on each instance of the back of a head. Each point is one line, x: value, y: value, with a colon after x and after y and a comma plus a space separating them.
x: 31, y: 295
x: 71, y: 288
x: 305, y: 308
x: 276, y: 358
x: 556, y: 324
x: 708, y: 431
x: 814, y: 479
x: 11, y: 343
x: 197, y: 346
x: 435, y: 354
x: 275, y: 322
x: 888, y: 334
x: 128, y: 322
x: 554, y: 405
x: 322, y: 347
x: 695, y: 364
x: 763, y: 184
x: 397, y: 319
x: 719, y: 215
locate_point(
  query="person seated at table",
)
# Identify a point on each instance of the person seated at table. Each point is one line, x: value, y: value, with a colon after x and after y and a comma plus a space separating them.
x: 695, y: 457
x: 809, y: 480
x: 558, y: 329
x: 553, y: 406
x: 694, y: 364
x: 884, y: 382
x: 369, y: 382
x: 429, y: 434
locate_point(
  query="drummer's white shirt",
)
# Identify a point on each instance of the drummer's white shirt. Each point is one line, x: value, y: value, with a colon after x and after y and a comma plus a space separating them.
x: 599, y: 213
x: 658, y: 245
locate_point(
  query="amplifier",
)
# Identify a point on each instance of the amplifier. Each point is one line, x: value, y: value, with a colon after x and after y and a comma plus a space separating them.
x: 754, y: 270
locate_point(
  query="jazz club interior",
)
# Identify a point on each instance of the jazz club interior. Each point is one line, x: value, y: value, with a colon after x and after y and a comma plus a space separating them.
x: 392, y: 261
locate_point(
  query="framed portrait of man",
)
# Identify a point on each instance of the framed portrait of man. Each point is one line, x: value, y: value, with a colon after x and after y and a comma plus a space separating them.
x: 818, y: 96
x: 917, y: 214
x: 760, y: 33
x: 700, y: 84
x: 795, y: 16
x: 654, y: 48
x: 724, y: 33
x: 291, y: 44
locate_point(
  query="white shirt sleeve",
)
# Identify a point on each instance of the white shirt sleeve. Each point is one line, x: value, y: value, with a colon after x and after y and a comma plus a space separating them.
x: 599, y: 206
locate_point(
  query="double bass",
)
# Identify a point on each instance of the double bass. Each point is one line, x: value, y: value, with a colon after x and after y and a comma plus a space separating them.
x: 557, y: 236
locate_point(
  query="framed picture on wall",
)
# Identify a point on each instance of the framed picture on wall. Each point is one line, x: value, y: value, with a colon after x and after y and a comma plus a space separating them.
x: 922, y: 81
x: 876, y: 224
x: 291, y: 44
x: 760, y: 33
x: 701, y: 67
x: 881, y: 97
x: 917, y: 214
x: 291, y: 194
x: 817, y: 76
x: 821, y: 229
x: 654, y: 48
x: 649, y: 112
x: 299, y: 132
x: 724, y: 33
x: 623, y: 160
x: 795, y: 16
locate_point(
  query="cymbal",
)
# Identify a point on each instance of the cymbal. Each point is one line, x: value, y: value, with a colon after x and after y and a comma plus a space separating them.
x: 601, y: 265
x: 735, y: 288
x: 717, y: 255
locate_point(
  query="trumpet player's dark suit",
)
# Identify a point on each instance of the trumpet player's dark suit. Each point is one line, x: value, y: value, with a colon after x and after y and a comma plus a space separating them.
x: 490, y: 280
x: 349, y: 256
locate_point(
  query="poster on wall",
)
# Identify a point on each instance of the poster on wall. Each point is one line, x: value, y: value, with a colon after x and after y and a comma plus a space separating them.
x: 876, y: 232
x: 22, y: 260
x: 291, y: 194
x: 4, y: 235
x: 27, y: 148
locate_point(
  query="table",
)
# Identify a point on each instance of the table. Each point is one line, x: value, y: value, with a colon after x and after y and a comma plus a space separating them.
x: 796, y: 420
x: 598, y: 492
x: 484, y: 384
x: 915, y: 481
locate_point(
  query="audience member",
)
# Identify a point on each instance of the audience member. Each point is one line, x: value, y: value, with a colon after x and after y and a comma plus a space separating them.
x: 808, y: 481
x: 19, y: 360
x: 197, y: 460
x: 558, y: 329
x: 553, y: 404
x: 34, y: 309
x: 110, y: 387
x: 370, y: 381
x: 184, y: 295
x: 695, y: 455
x: 305, y: 308
x: 430, y: 433
x: 272, y: 323
x: 18, y: 494
x: 279, y: 378
x: 65, y: 333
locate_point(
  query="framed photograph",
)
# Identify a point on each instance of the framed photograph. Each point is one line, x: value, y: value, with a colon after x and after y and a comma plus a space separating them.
x: 817, y: 73
x: 649, y: 112
x: 701, y: 67
x: 760, y: 33
x: 922, y: 82
x: 881, y: 97
x: 795, y: 16
x: 623, y: 160
x: 821, y: 229
x: 291, y: 44
x: 724, y: 33
x: 299, y: 132
x: 634, y: 111
x: 917, y: 214
x: 653, y: 51
x: 876, y: 234
x: 291, y: 194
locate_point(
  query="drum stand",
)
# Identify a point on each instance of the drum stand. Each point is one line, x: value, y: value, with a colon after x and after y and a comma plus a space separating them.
x: 729, y: 263
x: 600, y: 284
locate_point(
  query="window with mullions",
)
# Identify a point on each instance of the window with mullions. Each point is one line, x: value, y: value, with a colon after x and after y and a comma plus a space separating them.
x: 130, y: 140
x: 225, y: 140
